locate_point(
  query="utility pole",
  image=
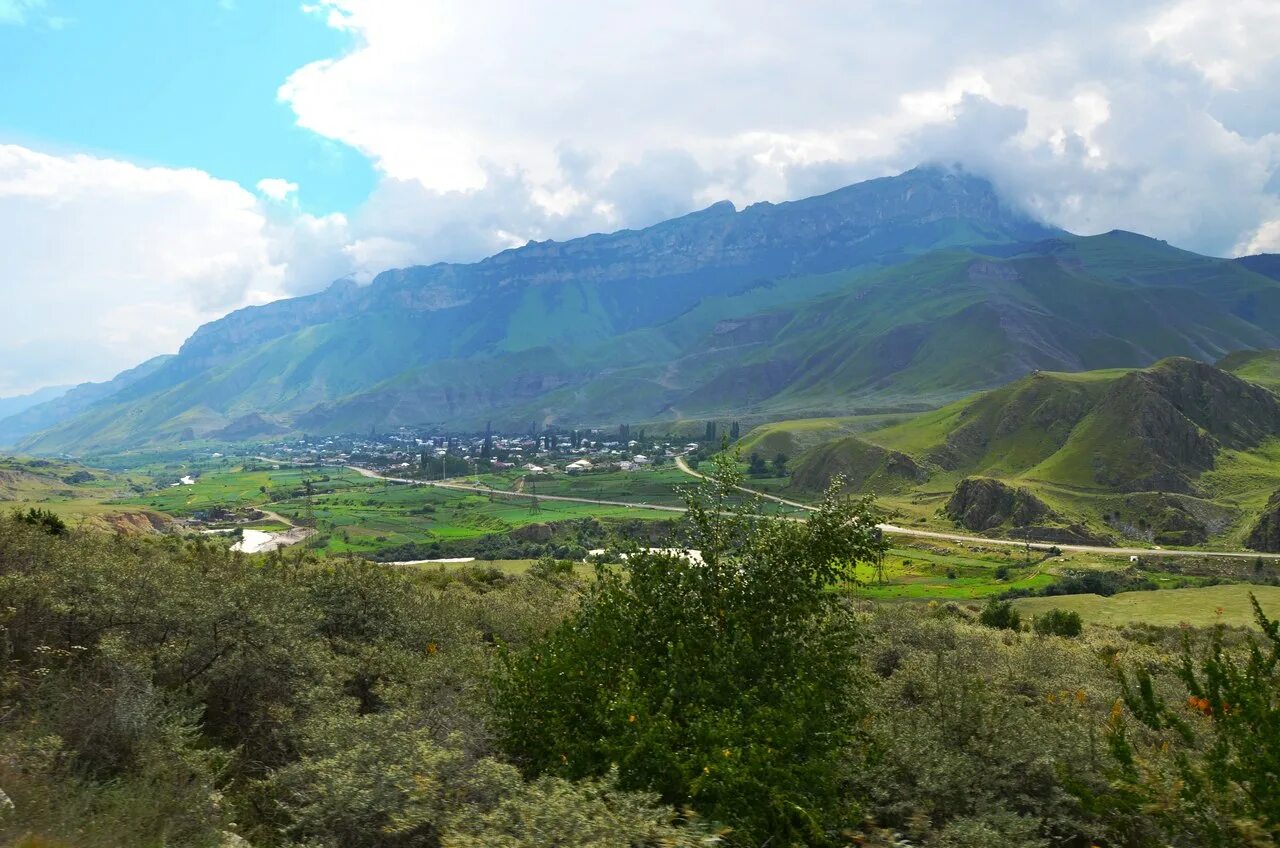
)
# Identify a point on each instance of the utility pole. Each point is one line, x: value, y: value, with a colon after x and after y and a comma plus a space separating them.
x: 534, y: 507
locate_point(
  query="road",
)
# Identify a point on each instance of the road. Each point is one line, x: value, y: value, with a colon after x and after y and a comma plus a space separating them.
x: 888, y: 529
x: 894, y: 530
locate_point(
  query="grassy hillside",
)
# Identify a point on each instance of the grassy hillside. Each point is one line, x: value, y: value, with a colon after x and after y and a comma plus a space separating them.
x: 1180, y: 453
x: 1256, y: 366
x: 79, y: 495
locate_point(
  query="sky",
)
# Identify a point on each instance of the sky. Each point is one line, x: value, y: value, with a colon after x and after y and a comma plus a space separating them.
x: 162, y: 164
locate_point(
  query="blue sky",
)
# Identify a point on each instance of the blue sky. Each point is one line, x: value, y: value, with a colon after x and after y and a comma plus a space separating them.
x: 164, y: 162
x: 183, y: 83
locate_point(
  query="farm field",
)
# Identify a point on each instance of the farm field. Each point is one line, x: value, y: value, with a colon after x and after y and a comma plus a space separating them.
x: 657, y: 486
x: 245, y: 486
x: 364, y: 520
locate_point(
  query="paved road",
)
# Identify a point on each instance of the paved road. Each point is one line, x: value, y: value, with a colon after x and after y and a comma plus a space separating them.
x: 890, y: 529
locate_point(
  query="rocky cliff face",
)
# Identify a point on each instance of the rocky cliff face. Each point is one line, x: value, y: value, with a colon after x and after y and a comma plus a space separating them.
x: 981, y: 503
x: 1173, y: 419
x: 1265, y: 535
x: 876, y: 220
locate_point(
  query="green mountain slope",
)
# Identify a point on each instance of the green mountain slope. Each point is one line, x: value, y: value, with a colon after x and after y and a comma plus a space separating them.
x: 1256, y: 366
x: 901, y: 293
x: 1179, y: 452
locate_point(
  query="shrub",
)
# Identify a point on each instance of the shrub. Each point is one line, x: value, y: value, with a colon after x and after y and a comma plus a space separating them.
x: 1228, y: 793
x: 1000, y: 615
x: 1059, y: 622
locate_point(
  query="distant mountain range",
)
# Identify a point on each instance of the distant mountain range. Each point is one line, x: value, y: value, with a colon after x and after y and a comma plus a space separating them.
x: 16, y: 404
x: 902, y: 292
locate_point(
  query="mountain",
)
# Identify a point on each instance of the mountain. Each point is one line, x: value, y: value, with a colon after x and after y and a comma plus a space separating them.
x: 1180, y: 448
x: 67, y: 403
x: 906, y: 291
x: 19, y: 403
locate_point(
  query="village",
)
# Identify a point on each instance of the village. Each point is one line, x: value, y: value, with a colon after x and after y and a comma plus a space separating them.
x: 408, y: 452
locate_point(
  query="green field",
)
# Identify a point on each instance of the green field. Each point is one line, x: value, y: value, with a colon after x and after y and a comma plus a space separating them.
x: 379, y: 516
x: 1228, y: 604
x: 252, y: 486
x: 655, y: 486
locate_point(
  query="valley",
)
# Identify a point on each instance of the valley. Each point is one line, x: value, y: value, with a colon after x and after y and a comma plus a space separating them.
x: 1029, y: 408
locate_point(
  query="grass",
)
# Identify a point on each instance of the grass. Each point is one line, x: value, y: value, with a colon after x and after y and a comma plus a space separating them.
x: 1226, y: 604
x: 86, y: 499
x: 244, y: 486
x: 364, y: 520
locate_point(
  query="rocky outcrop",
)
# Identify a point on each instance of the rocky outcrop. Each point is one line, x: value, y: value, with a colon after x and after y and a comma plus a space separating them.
x: 1167, y: 519
x: 1265, y: 535
x: 980, y: 503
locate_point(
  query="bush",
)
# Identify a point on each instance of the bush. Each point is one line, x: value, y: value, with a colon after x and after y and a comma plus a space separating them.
x: 1059, y: 622
x: 1000, y: 615
x: 730, y: 684
x: 1226, y: 796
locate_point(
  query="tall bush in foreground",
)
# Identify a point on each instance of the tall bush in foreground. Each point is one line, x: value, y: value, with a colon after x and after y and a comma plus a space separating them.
x: 1228, y: 792
x: 728, y: 682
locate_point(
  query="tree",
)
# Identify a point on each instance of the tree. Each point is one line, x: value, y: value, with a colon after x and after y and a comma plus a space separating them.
x: 729, y: 683
x: 709, y: 435
x: 780, y: 465
x: 45, y: 520
x: 756, y: 466
x: 734, y: 431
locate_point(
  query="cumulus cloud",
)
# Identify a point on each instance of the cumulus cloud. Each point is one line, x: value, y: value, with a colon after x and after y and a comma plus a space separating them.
x: 107, y: 262
x: 509, y: 120
x: 493, y: 124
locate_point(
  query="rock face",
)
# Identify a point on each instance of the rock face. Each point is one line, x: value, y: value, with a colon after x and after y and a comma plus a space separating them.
x: 1265, y: 535
x: 980, y: 503
x: 1157, y: 429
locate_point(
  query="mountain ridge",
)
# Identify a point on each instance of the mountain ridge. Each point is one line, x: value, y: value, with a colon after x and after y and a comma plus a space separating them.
x: 901, y: 292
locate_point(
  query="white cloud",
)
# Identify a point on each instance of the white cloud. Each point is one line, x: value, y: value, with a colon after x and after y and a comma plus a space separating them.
x: 277, y: 189
x: 108, y: 263
x: 495, y: 123
x: 540, y: 119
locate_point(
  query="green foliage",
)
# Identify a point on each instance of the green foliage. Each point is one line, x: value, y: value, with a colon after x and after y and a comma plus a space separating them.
x: 1000, y: 615
x: 379, y: 780
x: 45, y: 520
x: 1059, y: 622
x: 728, y: 682
x: 1229, y: 793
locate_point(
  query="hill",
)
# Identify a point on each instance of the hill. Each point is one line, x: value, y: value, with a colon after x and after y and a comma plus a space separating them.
x: 899, y: 293
x: 1179, y: 453
x: 1256, y: 366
